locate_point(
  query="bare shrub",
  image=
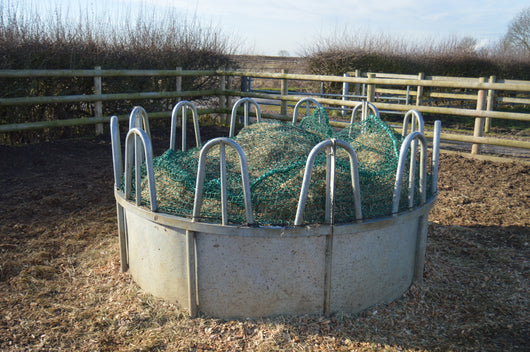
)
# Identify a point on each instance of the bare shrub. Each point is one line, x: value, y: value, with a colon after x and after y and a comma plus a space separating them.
x: 146, y: 40
x: 452, y: 56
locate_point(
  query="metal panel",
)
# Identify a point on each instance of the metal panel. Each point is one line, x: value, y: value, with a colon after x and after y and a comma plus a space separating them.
x: 158, y: 258
x: 259, y: 276
x: 372, y: 267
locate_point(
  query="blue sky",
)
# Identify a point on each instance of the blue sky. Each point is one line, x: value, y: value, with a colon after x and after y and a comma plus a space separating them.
x: 268, y: 27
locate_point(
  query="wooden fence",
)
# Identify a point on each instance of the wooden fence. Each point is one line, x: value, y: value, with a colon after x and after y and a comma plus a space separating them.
x: 389, y: 92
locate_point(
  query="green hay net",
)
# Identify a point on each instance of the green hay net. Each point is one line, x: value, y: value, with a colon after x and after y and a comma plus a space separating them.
x: 276, y: 154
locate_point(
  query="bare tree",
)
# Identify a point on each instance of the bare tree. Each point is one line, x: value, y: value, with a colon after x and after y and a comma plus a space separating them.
x: 518, y: 36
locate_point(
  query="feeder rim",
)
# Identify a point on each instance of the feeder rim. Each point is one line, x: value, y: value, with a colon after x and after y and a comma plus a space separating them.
x: 273, y: 231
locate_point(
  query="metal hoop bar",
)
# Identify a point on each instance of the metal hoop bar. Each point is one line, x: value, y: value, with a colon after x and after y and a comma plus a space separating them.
x: 354, y: 167
x: 135, y: 135
x: 435, y: 155
x: 247, y: 102
x: 244, y: 178
x: 222, y: 173
x: 118, y: 170
x: 413, y: 117
x: 139, y: 112
x: 116, y: 151
x: 331, y: 145
x: 139, y: 119
x: 330, y: 183
x: 184, y: 106
x: 364, y: 105
x: 308, y: 101
x: 399, y: 172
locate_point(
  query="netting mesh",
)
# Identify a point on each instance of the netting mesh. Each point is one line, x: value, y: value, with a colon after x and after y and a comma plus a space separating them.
x: 276, y: 154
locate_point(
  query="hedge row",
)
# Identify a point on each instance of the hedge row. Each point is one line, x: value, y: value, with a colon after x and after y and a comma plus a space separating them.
x: 337, y: 62
x: 19, y: 50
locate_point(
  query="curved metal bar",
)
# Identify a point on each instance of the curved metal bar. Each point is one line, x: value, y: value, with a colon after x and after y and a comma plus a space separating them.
x: 331, y: 146
x: 118, y: 171
x: 197, y: 204
x: 141, y: 135
x: 435, y: 154
x: 307, y: 179
x: 300, y: 102
x: 134, y: 122
x: 401, y: 164
x: 354, y: 167
x: 247, y: 102
x: 184, y: 106
x: 116, y: 151
x: 413, y: 117
x: 364, y: 105
x: 139, y: 119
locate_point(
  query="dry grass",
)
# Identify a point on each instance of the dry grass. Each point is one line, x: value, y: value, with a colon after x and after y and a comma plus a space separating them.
x: 61, y: 287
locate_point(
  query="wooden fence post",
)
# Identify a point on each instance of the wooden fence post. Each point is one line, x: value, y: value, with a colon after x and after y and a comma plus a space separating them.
x: 244, y: 84
x: 370, y: 91
x: 479, y: 122
x: 98, y: 105
x: 490, y: 104
x: 357, y: 86
x: 230, y: 87
x: 284, y: 91
x: 222, y: 99
x: 178, y: 86
x: 345, y: 92
x: 419, y: 91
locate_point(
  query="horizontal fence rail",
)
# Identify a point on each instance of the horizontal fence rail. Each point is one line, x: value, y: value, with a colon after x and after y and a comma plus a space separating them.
x: 392, y: 93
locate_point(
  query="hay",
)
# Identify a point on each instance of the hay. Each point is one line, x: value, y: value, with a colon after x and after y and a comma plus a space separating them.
x: 276, y: 154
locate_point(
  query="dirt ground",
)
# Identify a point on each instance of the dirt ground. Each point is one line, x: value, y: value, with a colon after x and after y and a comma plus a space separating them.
x: 61, y: 287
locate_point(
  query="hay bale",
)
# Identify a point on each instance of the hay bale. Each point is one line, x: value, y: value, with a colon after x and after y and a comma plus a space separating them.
x: 276, y: 155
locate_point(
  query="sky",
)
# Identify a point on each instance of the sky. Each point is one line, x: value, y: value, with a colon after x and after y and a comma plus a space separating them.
x: 289, y: 26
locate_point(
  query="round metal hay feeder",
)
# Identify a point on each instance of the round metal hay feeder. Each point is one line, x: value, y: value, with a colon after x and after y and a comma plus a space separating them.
x: 243, y: 271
